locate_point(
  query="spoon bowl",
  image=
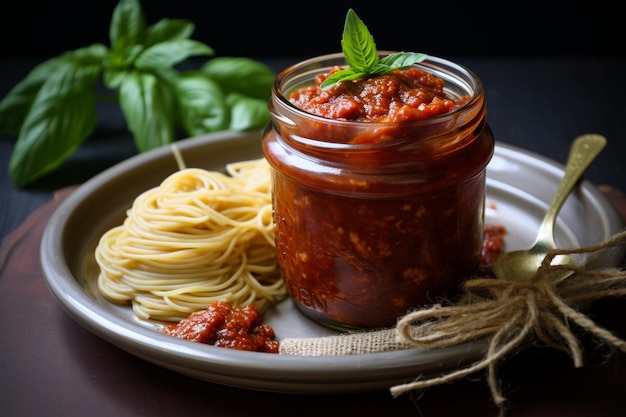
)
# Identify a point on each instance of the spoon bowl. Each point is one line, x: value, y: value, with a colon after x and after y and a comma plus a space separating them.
x: 521, y: 265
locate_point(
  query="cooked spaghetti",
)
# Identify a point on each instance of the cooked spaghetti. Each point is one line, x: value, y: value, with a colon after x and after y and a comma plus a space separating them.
x: 199, y: 237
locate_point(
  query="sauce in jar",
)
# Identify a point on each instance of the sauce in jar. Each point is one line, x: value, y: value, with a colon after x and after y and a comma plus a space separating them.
x: 407, y: 94
x: 377, y: 215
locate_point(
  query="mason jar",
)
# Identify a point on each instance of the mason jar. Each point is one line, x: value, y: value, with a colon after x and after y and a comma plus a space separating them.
x: 375, y: 219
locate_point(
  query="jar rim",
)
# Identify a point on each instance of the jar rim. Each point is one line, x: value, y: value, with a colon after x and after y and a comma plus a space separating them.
x: 451, y: 72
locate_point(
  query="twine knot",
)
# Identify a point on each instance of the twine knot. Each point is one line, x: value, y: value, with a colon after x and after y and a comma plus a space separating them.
x: 509, y: 314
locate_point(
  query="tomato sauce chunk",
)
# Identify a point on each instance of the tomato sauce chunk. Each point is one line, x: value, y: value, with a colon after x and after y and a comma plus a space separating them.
x: 493, y: 247
x: 222, y: 325
x: 493, y: 243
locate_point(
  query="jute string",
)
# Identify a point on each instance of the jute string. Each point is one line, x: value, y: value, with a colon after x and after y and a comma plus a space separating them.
x: 506, y: 314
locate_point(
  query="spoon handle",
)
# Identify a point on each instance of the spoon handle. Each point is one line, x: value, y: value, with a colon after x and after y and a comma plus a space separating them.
x: 584, y: 150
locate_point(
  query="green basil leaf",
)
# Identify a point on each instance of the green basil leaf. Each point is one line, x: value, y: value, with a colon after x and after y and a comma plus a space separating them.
x: 402, y: 59
x: 123, y: 57
x: 113, y: 77
x: 148, y: 106
x: 362, y: 57
x: 15, y: 105
x: 168, y: 29
x: 201, y: 104
x: 63, y: 114
x: 247, y: 113
x: 358, y: 44
x: 169, y: 53
x: 241, y: 75
x: 128, y: 25
x: 94, y: 54
x: 346, y: 74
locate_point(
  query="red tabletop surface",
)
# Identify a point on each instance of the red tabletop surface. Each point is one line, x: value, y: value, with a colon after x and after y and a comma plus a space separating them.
x: 51, y: 366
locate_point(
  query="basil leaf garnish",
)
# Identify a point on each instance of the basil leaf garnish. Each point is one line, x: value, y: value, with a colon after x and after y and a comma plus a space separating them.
x: 359, y: 48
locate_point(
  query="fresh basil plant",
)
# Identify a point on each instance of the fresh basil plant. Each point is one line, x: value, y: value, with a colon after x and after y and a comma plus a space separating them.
x: 52, y: 111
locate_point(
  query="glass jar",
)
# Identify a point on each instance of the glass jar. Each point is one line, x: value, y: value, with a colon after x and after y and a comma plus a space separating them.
x: 366, y: 232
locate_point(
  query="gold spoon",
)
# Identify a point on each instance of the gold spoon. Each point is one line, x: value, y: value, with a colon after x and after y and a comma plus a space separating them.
x: 522, y: 265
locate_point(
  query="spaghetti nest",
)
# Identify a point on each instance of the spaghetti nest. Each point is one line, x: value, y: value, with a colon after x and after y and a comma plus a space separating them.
x: 199, y: 237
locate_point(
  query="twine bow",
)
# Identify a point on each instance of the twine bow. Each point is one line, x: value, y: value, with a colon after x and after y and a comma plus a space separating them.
x: 510, y: 313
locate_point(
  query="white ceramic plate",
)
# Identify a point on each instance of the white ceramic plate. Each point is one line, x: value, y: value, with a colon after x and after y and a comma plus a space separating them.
x: 520, y: 185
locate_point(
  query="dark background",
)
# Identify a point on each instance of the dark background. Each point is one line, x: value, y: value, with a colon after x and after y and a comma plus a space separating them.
x: 44, y: 28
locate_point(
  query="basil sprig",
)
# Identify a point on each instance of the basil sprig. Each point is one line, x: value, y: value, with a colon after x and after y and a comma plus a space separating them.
x: 52, y: 111
x: 359, y: 49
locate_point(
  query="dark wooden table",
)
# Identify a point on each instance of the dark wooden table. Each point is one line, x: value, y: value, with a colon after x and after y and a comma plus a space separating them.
x: 51, y: 366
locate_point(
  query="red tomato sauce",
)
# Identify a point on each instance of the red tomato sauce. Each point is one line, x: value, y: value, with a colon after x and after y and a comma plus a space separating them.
x: 225, y: 326
x: 493, y: 247
x: 401, y: 95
